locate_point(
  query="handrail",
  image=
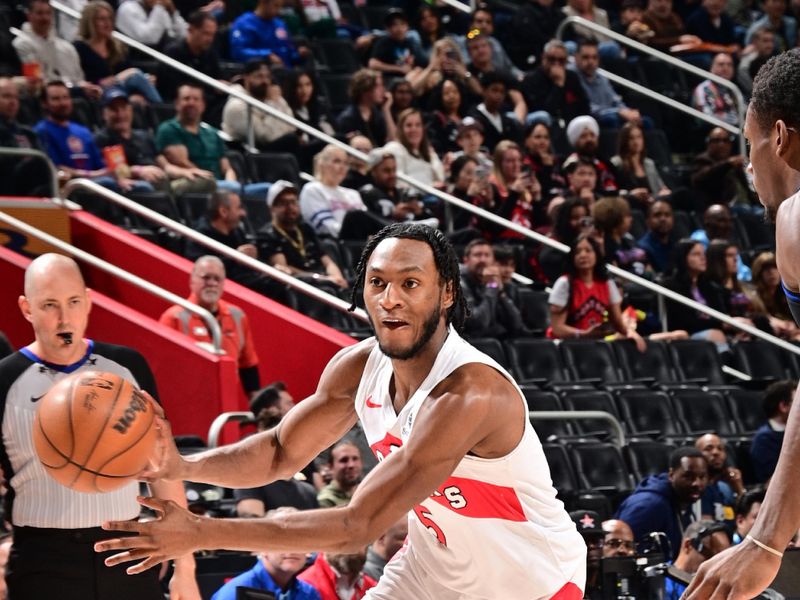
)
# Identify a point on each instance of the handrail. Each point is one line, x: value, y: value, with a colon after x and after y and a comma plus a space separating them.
x: 33, y: 153
x: 560, y: 415
x: 215, y: 429
x: 208, y: 318
x: 428, y: 189
x: 458, y: 5
x: 218, y: 247
x: 675, y: 62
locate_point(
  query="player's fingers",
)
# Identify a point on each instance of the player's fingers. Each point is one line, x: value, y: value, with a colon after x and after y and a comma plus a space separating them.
x: 124, y: 543
x: 153, y: 503
x: 700, y: 587
x: 157, y: 408
x: 122, y: 526
x: 149, y: 562
x: 127, y: 556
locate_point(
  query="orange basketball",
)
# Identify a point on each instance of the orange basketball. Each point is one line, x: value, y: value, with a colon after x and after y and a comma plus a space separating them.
x: 94, y: 431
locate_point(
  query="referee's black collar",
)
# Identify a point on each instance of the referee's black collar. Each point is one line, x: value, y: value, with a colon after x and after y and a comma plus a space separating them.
x: 62, y: 368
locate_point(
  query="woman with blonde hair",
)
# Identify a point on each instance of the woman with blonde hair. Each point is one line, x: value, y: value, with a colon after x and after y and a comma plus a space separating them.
x: 412, y: 150
x: 104, y: 59
x: 446, y: 62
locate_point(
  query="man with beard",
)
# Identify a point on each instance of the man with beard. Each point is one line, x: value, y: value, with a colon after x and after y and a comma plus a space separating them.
x: 724, y: 482
x: 339, y: 576
x: 206, y: 284
x: 771, y: 126
x: 582, y: 134
x: 659, y: 240
x: 619, y: 541
x: 270, y: 133
x: 719, y: 174
x: 344, y: 461
x: 450, y: 428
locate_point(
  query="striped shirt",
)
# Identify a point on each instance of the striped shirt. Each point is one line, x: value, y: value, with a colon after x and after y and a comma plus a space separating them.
x: 34, y: 499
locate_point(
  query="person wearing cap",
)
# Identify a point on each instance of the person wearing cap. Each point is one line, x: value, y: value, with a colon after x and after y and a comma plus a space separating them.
x: 589, y: 526
x: 701, y: 540
x: 270, y: 134
x: 207, y: 283
x: 290, y: 244
x: 583, y: 134
x: 142, y: 174
x: 263, y: 34
x: 469, y: 138
x: 395, y: 53
x: 483, y: 20
x: 496, y: 124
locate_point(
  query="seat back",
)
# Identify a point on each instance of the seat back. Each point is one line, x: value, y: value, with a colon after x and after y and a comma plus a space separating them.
x: 746, y: 410
x: 592, y: 401
x: 590, y: 359
x: 702, y: 412
x: 493, y: 348
x: 762, y: 360
x: 647, y: 411
x: 647, y: 457
x: 540, y: 400
x: 339, y: 55
x: 654, y: 363
x: 600, y: 467
x: 535, y: 309
x: 561, y: 470
x: 697, y: 360
x: 535, y: 359
x: 272, y: 166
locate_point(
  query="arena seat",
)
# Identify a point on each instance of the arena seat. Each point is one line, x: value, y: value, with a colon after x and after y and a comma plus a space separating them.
x: 592, y: 400
x: 590, y: 360
x: 541, y: 400
x: 272, y: 166
x: 697, y: 361
x: 565, y: 480
x: 535, y: 361
x: 762, y: 361
x: 339, y: 55
x: 601, y: 468
x: 647, y: 412
x: 492, y: 347
x: 535, y: 309
x: 703, y: 412
x: 653, y: 364
x: 647, y: 457
x: 745, y: 407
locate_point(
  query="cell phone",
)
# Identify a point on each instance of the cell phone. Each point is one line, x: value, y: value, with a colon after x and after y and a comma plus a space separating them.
x: 586, y: 223
x: 451, y: 54
x: 481, y: 173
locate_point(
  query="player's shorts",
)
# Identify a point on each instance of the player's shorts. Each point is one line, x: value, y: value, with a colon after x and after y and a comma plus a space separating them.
x: 405, y: 579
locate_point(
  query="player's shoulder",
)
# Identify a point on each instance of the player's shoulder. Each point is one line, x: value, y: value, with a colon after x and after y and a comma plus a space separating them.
x: 478, y: 385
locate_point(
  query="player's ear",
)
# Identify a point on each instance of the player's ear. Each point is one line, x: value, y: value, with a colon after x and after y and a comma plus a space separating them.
x: 24, y: 307
x: 88, y: 300
x: 448, y: 294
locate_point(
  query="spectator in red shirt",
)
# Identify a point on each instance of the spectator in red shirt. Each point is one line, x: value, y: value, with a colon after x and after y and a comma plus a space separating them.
x: 339, y: 576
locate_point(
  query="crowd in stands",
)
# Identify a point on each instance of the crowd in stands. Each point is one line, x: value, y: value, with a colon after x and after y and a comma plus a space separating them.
x: 490, y: 107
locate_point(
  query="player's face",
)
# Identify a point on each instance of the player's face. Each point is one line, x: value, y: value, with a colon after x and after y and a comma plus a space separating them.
x: 404, y: 296
x: 765, y: 167
x: 58, y: 306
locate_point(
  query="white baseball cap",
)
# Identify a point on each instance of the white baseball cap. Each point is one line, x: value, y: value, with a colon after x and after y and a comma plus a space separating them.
x: 277, y: 188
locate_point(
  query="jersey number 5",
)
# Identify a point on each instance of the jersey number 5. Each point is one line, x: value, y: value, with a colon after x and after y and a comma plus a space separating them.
x: 425, y: 518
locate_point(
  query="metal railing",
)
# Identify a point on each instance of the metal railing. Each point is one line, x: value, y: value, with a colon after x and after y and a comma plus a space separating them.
x: 675, y: 62
x: 206, y: 316
x: 32, y: 153
x: 449, y: 198
x: 571, y: 415
x: 217, y: 247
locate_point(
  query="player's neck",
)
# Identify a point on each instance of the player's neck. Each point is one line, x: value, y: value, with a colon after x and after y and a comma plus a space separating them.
x: 409, y: 374
x: 65, y: 355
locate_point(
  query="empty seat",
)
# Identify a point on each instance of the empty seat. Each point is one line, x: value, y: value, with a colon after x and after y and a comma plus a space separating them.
x: 535, y: 309
x: 561, y: 471
x: 272, y: 166
x: 746, y: 409
x: 491, y: 347
x: 535, y: 361
x: 544, y: 401
x: 590, y: 360
x: 257, y: 210
x: 646, y: 412
x: 647, y: 457
x: 653, y: 364
x: 702, y: 412
x: 600, y: 467
x: 339, y: 55
x: 697, y: 360
x: 762, y: 360
x: 159, y: 202
x: 592, y: 401
x: 193, y: 206
x: 337, y: 90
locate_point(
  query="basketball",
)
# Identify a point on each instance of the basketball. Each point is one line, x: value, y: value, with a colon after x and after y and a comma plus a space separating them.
x: 94, y: 431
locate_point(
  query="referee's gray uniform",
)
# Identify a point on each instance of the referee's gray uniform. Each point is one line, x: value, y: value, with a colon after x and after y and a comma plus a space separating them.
x: 55, y: 528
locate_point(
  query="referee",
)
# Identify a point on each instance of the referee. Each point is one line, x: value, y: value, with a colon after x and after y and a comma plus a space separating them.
x: 54, y: 527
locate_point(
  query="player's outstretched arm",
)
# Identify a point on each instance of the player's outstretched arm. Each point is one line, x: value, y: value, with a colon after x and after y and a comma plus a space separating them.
x: 310, y: 427
x: 487, y: 419
x: 745, y: 570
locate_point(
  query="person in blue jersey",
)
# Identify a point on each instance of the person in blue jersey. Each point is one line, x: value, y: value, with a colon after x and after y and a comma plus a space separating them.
x: 263, y: 34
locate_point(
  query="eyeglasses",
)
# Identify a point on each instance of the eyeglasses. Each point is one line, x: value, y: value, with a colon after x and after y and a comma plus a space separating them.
x: 616, y: 544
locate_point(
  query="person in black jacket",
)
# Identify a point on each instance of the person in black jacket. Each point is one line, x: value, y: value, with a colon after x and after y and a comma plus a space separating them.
x: 533, y: 26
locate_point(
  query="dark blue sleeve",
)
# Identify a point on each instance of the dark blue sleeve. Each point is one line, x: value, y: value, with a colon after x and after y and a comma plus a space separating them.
x: 643, y: 515
x: 245, y: 45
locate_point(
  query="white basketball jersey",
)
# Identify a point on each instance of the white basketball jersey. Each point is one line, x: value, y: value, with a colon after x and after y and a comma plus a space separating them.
x: 494, y: 529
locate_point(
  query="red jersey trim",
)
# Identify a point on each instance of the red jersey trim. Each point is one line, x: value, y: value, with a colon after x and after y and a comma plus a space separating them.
x: 479, y: 500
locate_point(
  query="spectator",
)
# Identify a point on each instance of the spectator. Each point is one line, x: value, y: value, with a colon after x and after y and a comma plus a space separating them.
x: 492, y: 312
x: 725, y: 483
x: 469, y: 138
x: 446, y: 117
x: 358, y: 170
x: 332, y: 210
x: 57, y: 58
x: 207, y: 284
x: 222, y: 223
x: 394, y: 53
x: 429, y: 29
x: 689, y: 279
x: 571, y: 219
x: 763, y: 41
x: 69, y: 145
x: 605, y: 104
x: 667, y: 26
x: 588, y: 525
x: 136, y: 165
x: 612, y: 218
x: 713, y: 99
x: 195, y: 50
x: 668, y: 502
x: 770, y: 296
x: 299, y: 91
x: 263, y: 34
x: 506, y: 261
x: 384, y: 198
x: 150, y: 22
x: 540, y: 157
x: 414, y: 154
x: 719, y: 174
x: 347, y: 470
x: 553, y: 90
x: 469, y: 181
x: 712, y: 24
x: 104, y: 58
x: 497, y: 125
x: 582, y: 134
x: 767, y: 441
x: 369, y: 114
x: 775, y: 19
x: 23, y: 175
x: 291, y: 245
x: 587, y: 9
x: 722, y: 258
x: 402, y: 97
x: 271, y: 402
x: 275, y: 572
x: 747, y: 508
x: 339, y: 576
x: 585, y: 302
x: 659, y: 241
x: 581, y: 173
x: 533, y: 25
x: 718, y: 225
x: 619, y: 541
x: 385, y: 547
x: 483, y: 21
x: 637, y: 173
x: 270, y: 134
x: 630, y: 22
x: 188, y: 143
x: 67, y: 27
x: 446, y: 62
x: 701, y: 540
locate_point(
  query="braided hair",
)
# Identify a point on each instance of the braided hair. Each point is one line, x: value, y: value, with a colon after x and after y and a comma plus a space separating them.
x: 444, y: 257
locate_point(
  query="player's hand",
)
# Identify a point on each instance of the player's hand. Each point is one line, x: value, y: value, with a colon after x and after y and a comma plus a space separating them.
x: 175, y: 533
x: 739, y: 573
x: 183, y: 584
x: 167, y: 463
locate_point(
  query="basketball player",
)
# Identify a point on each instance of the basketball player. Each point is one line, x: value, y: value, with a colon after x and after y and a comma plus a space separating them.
x: 772, y: 128
x: 55, y: 527
x: 457, y: 452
